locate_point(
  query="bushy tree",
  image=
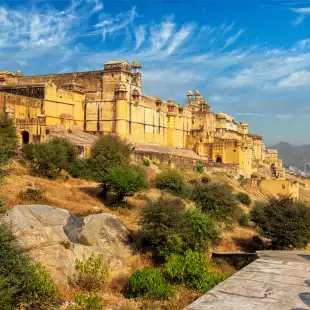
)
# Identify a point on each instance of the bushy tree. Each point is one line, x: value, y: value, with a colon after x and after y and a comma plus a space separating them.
x: 48, y: 159
x: 164, y: 222
x: 8, y: 139
x: 111, y: 150
x: 170, y: 228
x: 170, y: 180
x: 285, y: 221
x: 216, y: 200
x: 202, y: 232
x: 106, y: 154
x: 125, y: 180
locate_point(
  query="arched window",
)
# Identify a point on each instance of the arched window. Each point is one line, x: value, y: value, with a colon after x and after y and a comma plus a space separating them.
x: 218, y: 159
x: 135, y: 95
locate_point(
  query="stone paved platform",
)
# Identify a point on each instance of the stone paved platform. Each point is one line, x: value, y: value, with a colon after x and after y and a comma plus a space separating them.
x: 278, y: 280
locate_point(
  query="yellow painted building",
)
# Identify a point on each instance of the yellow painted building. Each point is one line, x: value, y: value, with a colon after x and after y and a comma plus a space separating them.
x: 110, y: 101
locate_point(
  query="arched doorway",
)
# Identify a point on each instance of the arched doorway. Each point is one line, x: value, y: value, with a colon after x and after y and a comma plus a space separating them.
x: 25, y: 137
x: 218, y: 159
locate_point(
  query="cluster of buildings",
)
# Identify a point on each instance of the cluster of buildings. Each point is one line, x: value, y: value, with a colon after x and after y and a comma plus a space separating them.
x: 110, y: 101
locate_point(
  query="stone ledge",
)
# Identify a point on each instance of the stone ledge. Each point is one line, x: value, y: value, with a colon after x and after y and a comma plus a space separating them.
x: 278, y: 280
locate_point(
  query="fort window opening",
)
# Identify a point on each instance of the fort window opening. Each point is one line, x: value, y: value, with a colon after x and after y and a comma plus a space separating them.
x: 218, y: 159
x: 25, y: 137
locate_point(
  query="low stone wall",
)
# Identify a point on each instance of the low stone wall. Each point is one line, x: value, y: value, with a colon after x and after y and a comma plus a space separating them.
x: 186, y: 162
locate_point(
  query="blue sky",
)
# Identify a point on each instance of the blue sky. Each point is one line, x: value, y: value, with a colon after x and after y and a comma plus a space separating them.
x: 249, y: 58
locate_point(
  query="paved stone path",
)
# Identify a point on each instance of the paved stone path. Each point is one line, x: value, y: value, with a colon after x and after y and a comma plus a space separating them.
x: 278, y: 280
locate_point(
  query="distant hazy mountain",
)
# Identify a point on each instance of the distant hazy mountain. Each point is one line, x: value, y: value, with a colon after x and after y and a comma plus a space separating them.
x: 298, y: 156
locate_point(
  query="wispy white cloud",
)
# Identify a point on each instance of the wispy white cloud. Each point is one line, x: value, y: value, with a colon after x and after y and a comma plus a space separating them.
x: 296, y: 79
x: 139, y: 33
x: 303, y: 12
x: 110, y: 25
x: 180, y: 37
x: 160, y: 34
x: 232, y: 39
x: 45, y: 27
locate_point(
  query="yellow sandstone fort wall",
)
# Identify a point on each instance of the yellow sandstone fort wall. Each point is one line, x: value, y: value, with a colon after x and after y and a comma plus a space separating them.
x: 111, y: 101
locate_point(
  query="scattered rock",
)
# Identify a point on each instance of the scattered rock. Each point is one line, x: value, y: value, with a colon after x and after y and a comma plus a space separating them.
x: 58, y: 238
x: 30, y: 183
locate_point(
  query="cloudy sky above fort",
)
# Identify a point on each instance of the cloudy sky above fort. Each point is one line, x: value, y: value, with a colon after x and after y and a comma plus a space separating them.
x: 249, y: 58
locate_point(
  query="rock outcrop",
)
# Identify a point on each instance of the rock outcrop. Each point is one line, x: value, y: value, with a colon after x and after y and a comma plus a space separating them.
x: 57, y: 238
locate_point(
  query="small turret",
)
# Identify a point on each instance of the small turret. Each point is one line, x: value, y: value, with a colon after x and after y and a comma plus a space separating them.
x: 189, y: 93
x: 197, y: 93
x: 136, y: 67
x: 19, y: 73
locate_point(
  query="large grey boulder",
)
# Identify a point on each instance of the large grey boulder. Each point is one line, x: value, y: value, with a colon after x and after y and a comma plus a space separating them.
x: 57, y: 238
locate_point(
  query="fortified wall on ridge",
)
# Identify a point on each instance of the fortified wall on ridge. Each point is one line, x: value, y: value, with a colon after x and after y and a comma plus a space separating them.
x: 111, y: 101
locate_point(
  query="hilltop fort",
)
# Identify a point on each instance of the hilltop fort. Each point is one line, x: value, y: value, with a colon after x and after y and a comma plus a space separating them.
x: 111, y: 101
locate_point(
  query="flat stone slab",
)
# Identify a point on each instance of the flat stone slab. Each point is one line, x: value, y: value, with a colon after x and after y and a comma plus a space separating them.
x: 278, y: 280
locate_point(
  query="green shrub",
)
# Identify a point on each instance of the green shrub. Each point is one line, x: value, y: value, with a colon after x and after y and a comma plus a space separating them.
x: 284, y: 221
x: 216, y: 200
x: 49, y: 159
x: 8, y: 139
x: 88, y: 302
x: 125, y: 180
x: 146, y: 162
x: 91, y: 273
x: 169, y: 228
x: 112, y: 151
x: 88, y: 169
x: 163, y: 223
x: 170, y: 180
x: 199, y: 167
x: 191, y: 269
x: 201, y: 232
x: 38, y: 288
x: 244, y: 219
x: 22, y: 283
x: 149, y: 283
x: 32, y: 194
x: 244, y: 198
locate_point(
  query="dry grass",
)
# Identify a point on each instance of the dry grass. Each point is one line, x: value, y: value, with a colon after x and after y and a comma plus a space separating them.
x: 235, y: 240
x: 82, y: 197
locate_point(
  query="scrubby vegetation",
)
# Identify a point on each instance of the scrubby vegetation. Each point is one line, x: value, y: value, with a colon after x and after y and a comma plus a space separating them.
x: 88, y: 302
x: 170, y: 228
x: 125, y: 180
x: 175, y: 236
x: 244, y: 198
x: 170, y: 180
x: 149, y: 283
x: 199, y: 167
x: 8, y: 140
x: 191, y: 269
x: 49, y: 159
x: 22, y: 283
x: 91, y: 273
x: 32, y: 194
x: 285, y: 221
x: 216, y: 200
